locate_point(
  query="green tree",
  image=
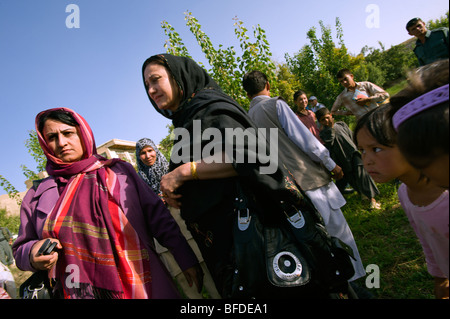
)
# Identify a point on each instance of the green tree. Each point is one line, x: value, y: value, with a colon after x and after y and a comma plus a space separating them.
x: 317, y: 63
x: 287, y: 83
x: 392, y: 64
x: 442, y: 22
x: 166, y: 145
x: 12, y: 192
x: 227, y: 68
x: 35, y: 150
x: 174, y: 45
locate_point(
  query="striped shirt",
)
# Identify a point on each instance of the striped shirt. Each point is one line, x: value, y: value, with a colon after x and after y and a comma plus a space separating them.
x: 346, y: 99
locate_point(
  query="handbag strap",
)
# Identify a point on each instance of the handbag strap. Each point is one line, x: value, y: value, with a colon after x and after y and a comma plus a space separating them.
x: 240, y: 202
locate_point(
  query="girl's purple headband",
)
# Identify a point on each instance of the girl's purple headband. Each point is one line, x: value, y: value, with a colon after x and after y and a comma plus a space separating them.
x: 420, y: 104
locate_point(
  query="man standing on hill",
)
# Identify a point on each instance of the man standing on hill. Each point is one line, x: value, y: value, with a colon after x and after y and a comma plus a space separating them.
x: 357, y: 97
x: 431, y: 45
x: 6, y: 256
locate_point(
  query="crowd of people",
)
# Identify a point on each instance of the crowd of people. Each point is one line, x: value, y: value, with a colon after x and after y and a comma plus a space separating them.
x: 129, y: 233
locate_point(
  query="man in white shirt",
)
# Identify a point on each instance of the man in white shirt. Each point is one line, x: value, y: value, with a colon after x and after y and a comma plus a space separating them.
x: 305, y: 157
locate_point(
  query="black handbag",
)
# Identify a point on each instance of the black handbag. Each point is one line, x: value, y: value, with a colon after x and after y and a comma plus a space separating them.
x: 294, y: 258
x: 37, y: 286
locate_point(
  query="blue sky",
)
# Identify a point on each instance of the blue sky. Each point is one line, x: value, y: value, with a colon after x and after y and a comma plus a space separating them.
x: 96, y: 69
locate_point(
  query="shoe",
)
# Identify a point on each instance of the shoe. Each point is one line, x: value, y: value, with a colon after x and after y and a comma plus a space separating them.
x: 347, y: 191
x: 375, y: 205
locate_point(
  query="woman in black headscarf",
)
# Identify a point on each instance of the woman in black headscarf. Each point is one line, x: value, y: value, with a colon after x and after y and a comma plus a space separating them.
x: 204, y: 187
x: 181, y: 90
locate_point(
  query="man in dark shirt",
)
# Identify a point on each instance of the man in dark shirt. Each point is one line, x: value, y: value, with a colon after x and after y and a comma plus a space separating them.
x: 338, y: 139
x: 431, y: 45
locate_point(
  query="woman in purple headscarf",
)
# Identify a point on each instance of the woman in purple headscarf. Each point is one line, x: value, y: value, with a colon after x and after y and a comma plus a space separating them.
x: 103, y: 218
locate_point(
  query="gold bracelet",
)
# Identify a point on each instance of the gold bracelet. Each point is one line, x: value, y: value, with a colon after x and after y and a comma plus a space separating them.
x: 194, y: 170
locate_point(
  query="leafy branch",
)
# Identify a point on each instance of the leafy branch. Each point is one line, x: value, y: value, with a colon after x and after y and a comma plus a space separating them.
x: 35, y: 150
x: 13, y: 193
x: 226, y: 67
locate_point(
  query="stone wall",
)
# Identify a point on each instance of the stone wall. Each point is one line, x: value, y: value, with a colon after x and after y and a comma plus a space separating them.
x: 10, y: 205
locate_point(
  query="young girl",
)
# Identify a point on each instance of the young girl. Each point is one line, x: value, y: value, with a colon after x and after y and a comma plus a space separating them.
x: 425, y: 204
x: 420, y: 116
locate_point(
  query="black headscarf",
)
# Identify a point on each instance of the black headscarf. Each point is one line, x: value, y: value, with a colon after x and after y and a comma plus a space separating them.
x: 189, y: 76
x: 204, y: 100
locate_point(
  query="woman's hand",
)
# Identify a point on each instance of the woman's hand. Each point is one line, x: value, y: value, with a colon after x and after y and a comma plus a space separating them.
x: 44, y: 262
x: 206, y: 170
x: 194, y: 275
x: 171, y: 182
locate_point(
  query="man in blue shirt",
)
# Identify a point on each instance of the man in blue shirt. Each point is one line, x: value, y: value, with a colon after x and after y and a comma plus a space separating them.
x: 431, y: 45
x: 314, y: 105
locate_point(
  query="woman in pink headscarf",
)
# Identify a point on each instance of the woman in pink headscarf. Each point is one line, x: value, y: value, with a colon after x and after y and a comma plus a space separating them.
x: 103, y: 218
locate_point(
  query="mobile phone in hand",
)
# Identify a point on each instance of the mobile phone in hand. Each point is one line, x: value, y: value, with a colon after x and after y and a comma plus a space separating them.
x: 47, y: 247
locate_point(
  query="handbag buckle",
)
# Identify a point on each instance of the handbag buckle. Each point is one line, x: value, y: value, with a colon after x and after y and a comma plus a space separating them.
x: 32, y: 293
x: 243, y: 221
x: 297, y: 220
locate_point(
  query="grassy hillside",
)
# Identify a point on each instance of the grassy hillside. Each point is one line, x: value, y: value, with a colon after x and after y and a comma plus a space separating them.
x: 386, y: 239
